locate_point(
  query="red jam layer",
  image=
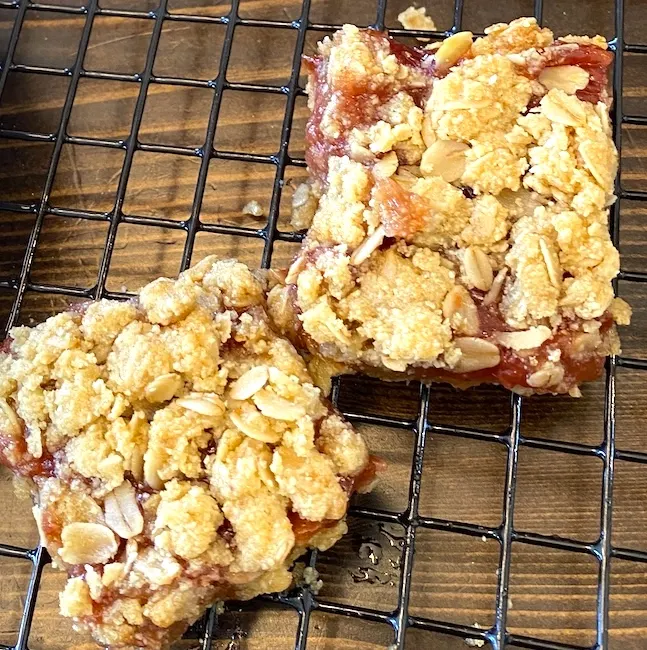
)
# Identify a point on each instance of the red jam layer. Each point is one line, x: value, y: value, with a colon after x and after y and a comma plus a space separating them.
x: 591, y: 58
x: 512, y: 372
x: 514, y: 369
x: 365, y: 478
x: 304, y: 529
x: 402, y: 213
x: 14, y: 455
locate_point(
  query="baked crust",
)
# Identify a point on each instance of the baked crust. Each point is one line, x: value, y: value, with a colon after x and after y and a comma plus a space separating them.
x: 177, y: 451
x: 462, y: 228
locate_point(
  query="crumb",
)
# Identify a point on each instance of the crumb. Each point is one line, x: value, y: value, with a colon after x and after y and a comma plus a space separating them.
x: 311, y: 579
x: 474, y: 643
x: 304, y: 206
x: 416, y: 18
x: 254, y: 209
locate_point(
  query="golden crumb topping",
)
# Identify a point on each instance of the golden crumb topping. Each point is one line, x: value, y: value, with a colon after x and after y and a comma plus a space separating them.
x: 478, y: 100
x: 75, y: 598
x: 174, y: 443
x: 340, y: 216
x: 519, y: 35
x: 572, y: 158
x: 187, y: 519
x: 399, y: 302
x: 361, y: 63
x: 484, y: 186
x: 597, y: 40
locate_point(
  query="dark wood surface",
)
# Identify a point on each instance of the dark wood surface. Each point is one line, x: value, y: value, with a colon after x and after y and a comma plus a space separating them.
x: 552, y: 593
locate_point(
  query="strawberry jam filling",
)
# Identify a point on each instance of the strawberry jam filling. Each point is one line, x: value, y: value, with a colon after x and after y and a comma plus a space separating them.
x: 304, y: 529
x: 401, y: 212
x: 513, y: 370
x: 516, y: 367
x: 591, y: 58
x: 14, y: 455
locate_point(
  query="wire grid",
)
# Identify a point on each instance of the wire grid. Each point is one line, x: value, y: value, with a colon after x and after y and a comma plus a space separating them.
x: 302, y: 599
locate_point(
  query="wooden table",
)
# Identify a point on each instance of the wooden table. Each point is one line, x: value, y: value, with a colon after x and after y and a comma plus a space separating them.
x: 552, y: 593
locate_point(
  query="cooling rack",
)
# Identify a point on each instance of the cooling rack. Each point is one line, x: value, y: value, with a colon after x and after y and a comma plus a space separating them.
x: 422, y: 426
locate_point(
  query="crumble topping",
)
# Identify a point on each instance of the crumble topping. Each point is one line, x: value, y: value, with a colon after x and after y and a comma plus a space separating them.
x: 187, y: 519
x: 465, y: 195
x: 360, y: 64
x: 177, y: 450
x: 507, y: 38
x: 571, y: 156
x: 480, y: 99
x: 598, y: 41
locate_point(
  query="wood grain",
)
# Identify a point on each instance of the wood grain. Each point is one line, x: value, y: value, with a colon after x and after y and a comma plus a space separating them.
x: 552, y: 593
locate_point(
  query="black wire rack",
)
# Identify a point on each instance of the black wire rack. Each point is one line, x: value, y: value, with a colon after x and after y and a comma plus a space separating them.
x: 302, y: 599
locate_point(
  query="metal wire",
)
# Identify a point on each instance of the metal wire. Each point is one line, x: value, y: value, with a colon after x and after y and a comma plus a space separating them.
x: 302, y: 600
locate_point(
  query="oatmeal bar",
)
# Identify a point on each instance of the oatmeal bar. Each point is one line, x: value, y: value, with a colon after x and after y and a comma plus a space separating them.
x: 177, y: 452
x: 461, y: 231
